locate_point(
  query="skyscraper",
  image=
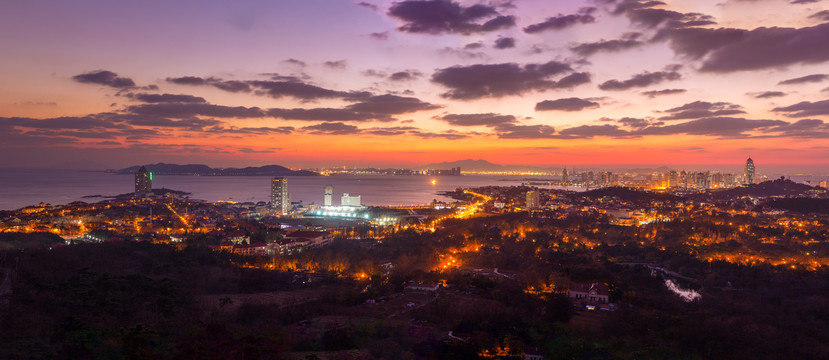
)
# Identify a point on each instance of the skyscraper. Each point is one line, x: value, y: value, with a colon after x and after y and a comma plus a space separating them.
x: 143, y: 181
x: 564, y: 177
x: 329, y: 194
x: 533, y: 199
x: 280, y: 199
x: 748, y: 174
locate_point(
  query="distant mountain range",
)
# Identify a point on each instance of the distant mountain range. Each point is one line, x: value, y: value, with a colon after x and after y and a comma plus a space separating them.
x: 204, y: 170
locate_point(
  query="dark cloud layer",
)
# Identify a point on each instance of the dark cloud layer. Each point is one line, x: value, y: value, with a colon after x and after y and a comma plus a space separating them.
x: 497, y: 80
x: 488, y: 119
x: 587, y: 49
x: 640, y: 80
x: 104, y: 77
x: 805, y: 108
x: 701, y: 109
x: 655, y: 93
x: 504, y: 43
x: 282, y: 86
x: 566, y: 104
x: 391, y: 104
x: 728, y: 50
x: 559, y: 22
x: 768, y: 94
x: 805, y: 79
x: 446, y: 16
x: 167, y: 98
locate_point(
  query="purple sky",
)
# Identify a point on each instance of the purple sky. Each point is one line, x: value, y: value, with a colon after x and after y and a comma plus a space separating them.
x: 382, y: 83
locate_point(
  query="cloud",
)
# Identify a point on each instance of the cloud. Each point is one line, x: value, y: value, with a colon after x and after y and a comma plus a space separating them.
x: 487, y: 119
x: 382, y: 36
x: 640, y: 80
x: 511, y: 131
x: 391, y: 104
x: 566, y: 104
x: 374, y: 73
x: 166, y: 98
x: 296, y: 62
x: 805, y: 108
x: 634, y: 122
x: 406, y: 75
x: 193, y: 124
x: 559, y: 22
x: 104, y: 77
x: 504, y: 43
x: 805, y: 128
x: 339, y: 64
x: 300, y: 90
x: 712, y: 126
x: 822, y: 15
x: 655, y: 93
x: 63, y: 123
x: 805, y: 79
x: 587, y: 49
x: 701, y: 109
x: 473, y: 46
x: 185, y: 110
x: 226, y: 85
x: 729, y: 50
x: 325, y: 114
x: 498, y: 80
x: 644, y: 14
x: 588, y: 131
x: 281, y: 86
x: 446, y: 16
x: 449, y: 134
x: 252, y: 130
x: 331, y: 128
x: 767, y: 94
x: 367, y: 5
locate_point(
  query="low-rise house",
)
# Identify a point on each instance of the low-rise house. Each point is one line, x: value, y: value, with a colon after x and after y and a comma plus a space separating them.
x: 592, y: 292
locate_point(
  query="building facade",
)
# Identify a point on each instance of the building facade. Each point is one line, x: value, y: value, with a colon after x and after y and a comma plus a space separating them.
x: 533, y: 199
x: 329, y: 195
x: 350, y: 200
x: 143, y: 181
x: 748, y: 175
x: 280, y: 199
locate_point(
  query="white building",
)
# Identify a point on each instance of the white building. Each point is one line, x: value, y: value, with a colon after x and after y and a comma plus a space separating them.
x: 348, y: 200
x: 329, y: 194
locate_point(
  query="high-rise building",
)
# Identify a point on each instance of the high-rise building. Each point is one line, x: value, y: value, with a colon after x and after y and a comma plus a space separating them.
x: 533, y: 199
x: 564, y: 177
x: 329, y: 195
x: 348, y: 200
x: 748, y: 174
x: 143, y: 181
x: 280, y: 199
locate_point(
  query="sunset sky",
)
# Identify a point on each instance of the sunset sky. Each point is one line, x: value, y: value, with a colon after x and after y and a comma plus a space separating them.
x: 307, y: 83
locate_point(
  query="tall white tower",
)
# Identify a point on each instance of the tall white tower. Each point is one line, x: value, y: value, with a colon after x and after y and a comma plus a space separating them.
x: 329, y: 195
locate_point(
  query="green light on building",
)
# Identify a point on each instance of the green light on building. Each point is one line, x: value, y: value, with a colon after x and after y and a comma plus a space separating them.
x: 151, y: 176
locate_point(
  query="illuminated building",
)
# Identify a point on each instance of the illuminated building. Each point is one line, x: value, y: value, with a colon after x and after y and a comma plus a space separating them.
x: 564, y: 177
x: 748, y: 174
x: 329, y: 194
x: 348, y: 200
x: 533, y: 199
x: 143, y: 181
x: 280, y: 199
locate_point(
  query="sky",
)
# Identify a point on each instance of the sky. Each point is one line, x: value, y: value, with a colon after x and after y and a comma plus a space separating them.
x: 313, y: 83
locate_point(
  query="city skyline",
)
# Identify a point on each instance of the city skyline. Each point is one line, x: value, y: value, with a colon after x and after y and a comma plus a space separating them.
x: 406, y: 83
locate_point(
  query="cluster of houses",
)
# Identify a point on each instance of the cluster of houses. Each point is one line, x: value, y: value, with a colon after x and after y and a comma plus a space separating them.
x: 238, y: 242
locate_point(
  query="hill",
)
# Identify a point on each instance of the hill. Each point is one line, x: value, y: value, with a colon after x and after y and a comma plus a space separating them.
x: 204, y: 170
x: 779, y: 187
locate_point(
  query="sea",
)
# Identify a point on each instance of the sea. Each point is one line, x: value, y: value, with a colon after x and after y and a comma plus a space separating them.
x: 24, y: 187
